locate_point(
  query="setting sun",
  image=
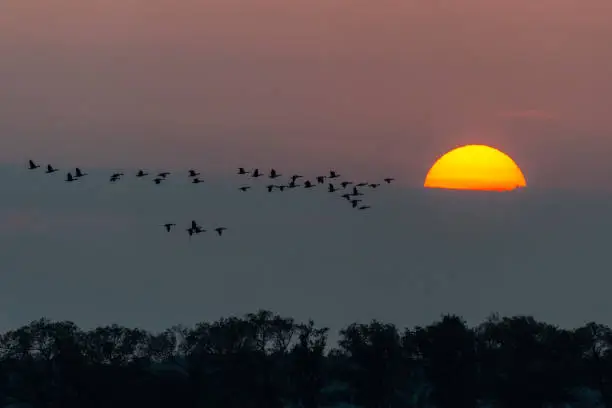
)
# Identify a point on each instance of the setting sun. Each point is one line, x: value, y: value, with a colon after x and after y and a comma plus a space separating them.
x: 475, y: 167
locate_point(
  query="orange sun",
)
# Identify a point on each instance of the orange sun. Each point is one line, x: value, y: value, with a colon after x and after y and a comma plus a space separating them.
x: 475, y: 167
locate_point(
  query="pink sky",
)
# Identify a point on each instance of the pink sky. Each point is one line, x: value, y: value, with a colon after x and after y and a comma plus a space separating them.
x: 372, y: 87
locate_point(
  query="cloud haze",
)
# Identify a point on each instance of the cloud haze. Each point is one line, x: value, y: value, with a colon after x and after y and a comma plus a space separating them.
x: 417, y: 253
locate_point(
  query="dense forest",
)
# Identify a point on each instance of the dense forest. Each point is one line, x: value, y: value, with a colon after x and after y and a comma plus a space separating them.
x: 263, y: 360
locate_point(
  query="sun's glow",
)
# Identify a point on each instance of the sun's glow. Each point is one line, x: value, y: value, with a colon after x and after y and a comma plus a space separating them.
x: 475, y: 167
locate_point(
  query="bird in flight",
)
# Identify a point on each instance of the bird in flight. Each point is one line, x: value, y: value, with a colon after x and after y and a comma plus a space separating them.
x: 78, y: 173
x: 374, y: 185
x: 331, y: 188
x: 69, y: 178
x: 158, y: 180
x: 270, y: 187
x: 345, y: 183
x: 220, y: 230
x: 141, y: 173
x: 356, y: 192
x: 51, y: 169
x: 333, y: 174
x: 33, y: 165
x: 193, y: 173
x: 241, y: 170
x: 169, y: 226
x: 364, y: 207
x: 197, y: 180
x: 362, y: 184
x: 389, y: 180
x: 163, y: 174
x: 115, y: 177
x: 256, y: 173
x: 308, y: 184
x: 355, y: 203
x: 295, y: 177
x: 195, y: 229
x: 274, y: 174
x: 244, y: 188
x: 320, y: 179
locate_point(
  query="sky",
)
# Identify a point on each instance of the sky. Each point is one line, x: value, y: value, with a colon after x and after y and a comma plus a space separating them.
x: 372, y: 90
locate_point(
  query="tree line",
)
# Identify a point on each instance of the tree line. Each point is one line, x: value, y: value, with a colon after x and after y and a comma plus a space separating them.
x: 263, y: 360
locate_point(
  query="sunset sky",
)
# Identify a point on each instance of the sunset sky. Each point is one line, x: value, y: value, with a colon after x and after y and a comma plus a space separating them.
x: 372, y: 89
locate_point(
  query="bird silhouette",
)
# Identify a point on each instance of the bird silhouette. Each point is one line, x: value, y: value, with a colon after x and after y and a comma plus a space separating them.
x: 69, y: 178
x: 388, y: 180
x: 244, y: 188
x: 331, y: 188
x: 220, y: 230
x: 256, y: 173
x: 356, y: 192
x: 114, y: 178
x: 78, y: 173
x: 164, y: 174
x: 274, y: 174
x: 374, y: 185
x: 355, y: 203
x: 241, y: 170
x: 158, y: 180
x: 51, y: 169
x: 169, y: 226
x: 197, y: 180
x: 320, y: 179
x: 32, y: 165
x: 270, y: 188
x: 344, y: 184
x: 281, y: 187
x: 141, y: 173
x: 362, y: 184
x: 117, y: 175
x: 198, y: 229
x: 191, y: 231
x: 193, y: 173
x: 364, y: 207
x: 293, y: 185
x: 194, y: 225
x: 295, y: 177
x: 333, y: 174
x: 308, y: 184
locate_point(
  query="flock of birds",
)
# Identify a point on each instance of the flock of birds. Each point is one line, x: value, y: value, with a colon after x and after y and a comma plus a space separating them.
x: 351, y: 190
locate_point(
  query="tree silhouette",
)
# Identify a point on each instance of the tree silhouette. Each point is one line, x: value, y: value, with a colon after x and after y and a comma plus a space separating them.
x: 374, y: 362
x: 527, y: 363
x: 307, y: 359
x: 595, y: 353
x: 446, y: 352
x: 265, y: 360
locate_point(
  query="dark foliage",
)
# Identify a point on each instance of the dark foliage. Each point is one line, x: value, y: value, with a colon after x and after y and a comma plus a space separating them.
x: 263, y: 360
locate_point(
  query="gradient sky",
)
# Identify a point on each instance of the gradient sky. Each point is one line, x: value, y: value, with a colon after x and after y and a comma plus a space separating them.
x: 371, y: 89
